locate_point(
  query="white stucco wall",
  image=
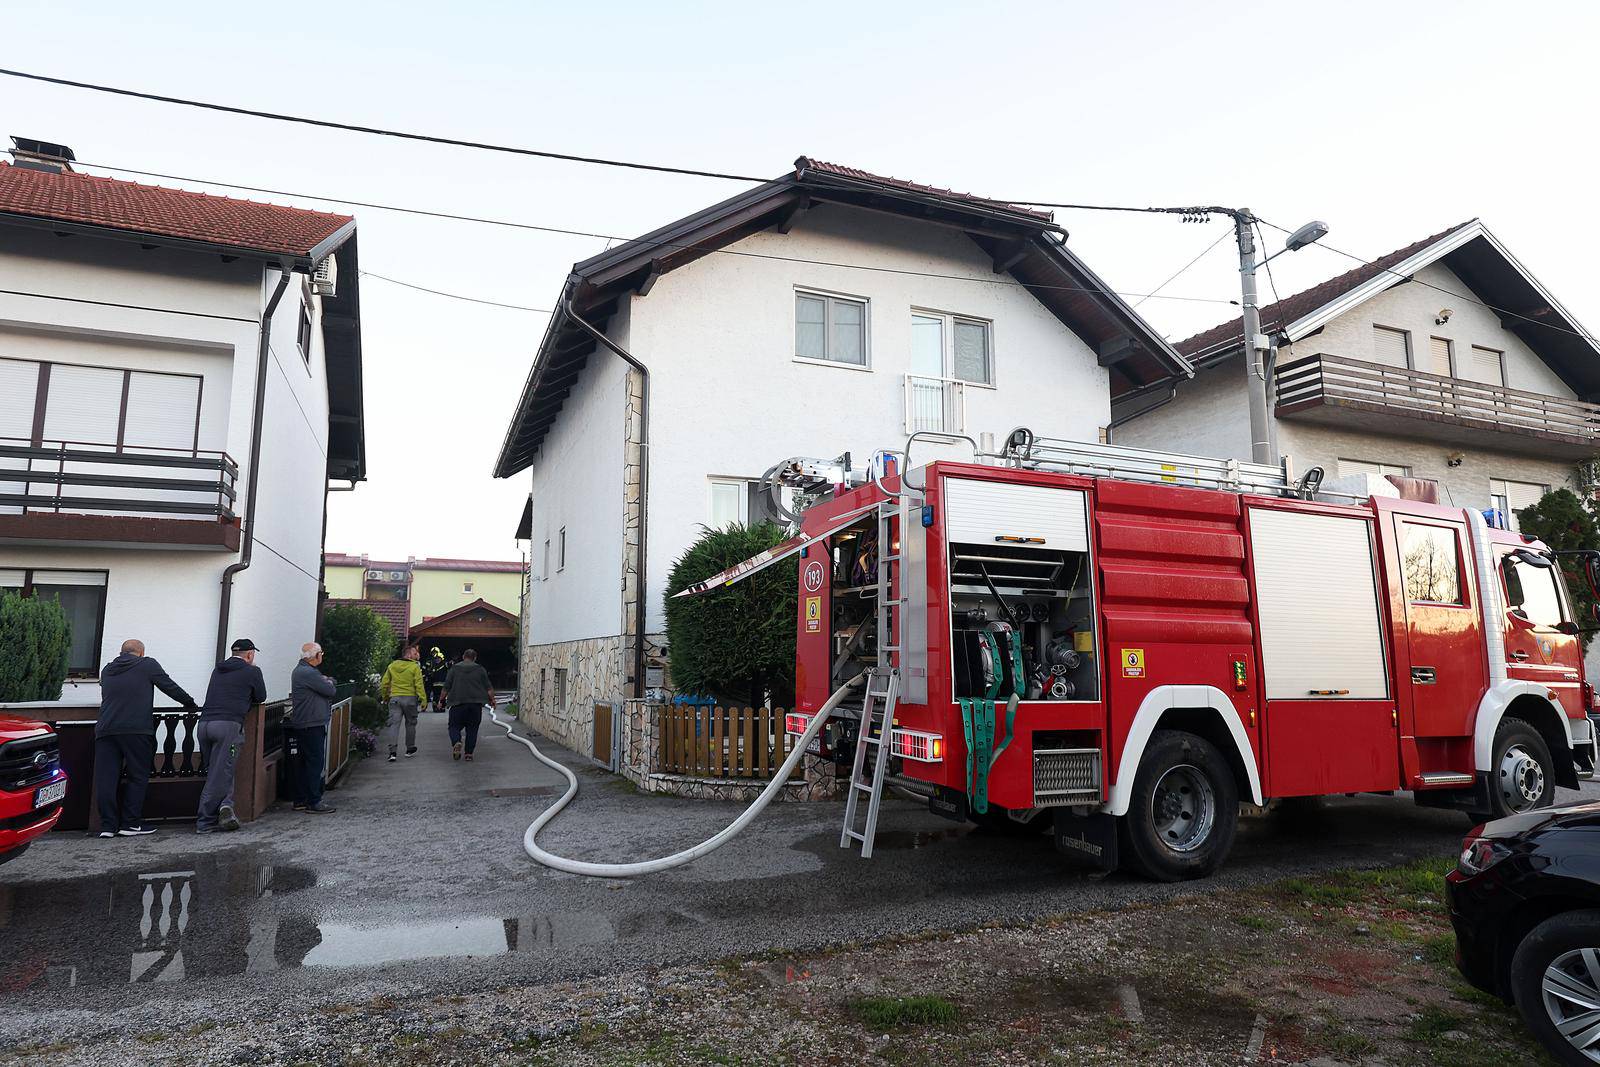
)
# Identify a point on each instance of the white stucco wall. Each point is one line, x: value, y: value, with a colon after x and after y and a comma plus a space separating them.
x: 1210, y: 416
x: 195, y: 314
x: 729, y: 398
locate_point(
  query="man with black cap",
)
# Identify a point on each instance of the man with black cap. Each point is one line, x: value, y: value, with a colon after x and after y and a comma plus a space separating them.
x: 236, y: 683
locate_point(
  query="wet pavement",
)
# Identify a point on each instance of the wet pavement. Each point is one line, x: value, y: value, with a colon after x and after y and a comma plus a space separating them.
x: 419, y: 884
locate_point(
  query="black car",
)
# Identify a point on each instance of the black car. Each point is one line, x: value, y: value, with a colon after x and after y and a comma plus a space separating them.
x: 1525, y: 903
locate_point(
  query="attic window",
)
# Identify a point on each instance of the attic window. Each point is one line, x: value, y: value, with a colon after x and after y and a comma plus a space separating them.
x: 303, y: 335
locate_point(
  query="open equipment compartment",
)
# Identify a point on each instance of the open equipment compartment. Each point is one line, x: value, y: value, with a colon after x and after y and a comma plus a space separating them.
x: 1022, y: 619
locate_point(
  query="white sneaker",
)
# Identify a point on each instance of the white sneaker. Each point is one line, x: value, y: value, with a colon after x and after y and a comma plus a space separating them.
x: 393, y: 758
x: 135, y: 831
x: 107, y: 833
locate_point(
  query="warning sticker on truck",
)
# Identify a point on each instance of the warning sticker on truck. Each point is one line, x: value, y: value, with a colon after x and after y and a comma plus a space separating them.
x: 813, y: 614
x: 1133, y: 663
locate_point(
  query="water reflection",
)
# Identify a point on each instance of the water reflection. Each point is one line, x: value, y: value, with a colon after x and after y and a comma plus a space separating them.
x: 221, y: 918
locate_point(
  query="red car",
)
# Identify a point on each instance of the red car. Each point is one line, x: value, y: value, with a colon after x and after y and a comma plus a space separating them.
x: 33, y: 787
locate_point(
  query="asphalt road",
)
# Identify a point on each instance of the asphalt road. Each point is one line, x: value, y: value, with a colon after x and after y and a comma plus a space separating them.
x: 418, y: 884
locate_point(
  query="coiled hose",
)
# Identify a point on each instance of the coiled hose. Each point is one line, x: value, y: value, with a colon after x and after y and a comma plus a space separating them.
x: 677, y: 859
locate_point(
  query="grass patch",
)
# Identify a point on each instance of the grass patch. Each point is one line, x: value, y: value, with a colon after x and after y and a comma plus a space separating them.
x: 1431, y: 1024
x: 1332, y: 893
x: 886, y: 1013
x: 1344, y: 1044
x: 1257, y: 922
x: 1440, y: 950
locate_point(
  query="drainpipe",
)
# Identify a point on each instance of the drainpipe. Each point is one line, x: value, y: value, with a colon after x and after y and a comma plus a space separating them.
x: 263, y: 342
x: 1131, y: 415
x: 640, y: 587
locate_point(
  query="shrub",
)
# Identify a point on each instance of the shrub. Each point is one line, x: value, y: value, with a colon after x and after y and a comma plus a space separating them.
x: 736, y: 642
x: 367, y: 714
x: 357, y: 643
x: 36, y: 638
x: 1561, y: 521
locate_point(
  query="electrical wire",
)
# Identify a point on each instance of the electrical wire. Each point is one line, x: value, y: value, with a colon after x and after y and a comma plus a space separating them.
x: 126, y: 307
x: 1220, y: 238
x: 1447, y: 292
x: 454, y: 296
x: 287, y: 560
x: 657, y: 244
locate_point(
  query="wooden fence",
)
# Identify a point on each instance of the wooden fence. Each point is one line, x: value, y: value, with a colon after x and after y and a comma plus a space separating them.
x: 338, y: 741
x: 708, y: 742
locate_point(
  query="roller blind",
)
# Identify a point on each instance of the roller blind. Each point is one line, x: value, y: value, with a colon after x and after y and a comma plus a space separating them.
x: 1317, y: 597
x: 163, y: 410
x: 977, y: 512
x: 1389, y: 347
x: 1439, y: 356
x: 1485, y: 366
x: 19, y: 386
x: 83, y: 404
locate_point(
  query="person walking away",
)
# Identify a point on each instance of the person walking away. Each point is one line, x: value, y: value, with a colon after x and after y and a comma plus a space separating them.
x: 236, y: 683
x: 466, y: 690
x: 433, y: 673
x: 311, y: 699
x: 403, y: 689
x: 125, y: 737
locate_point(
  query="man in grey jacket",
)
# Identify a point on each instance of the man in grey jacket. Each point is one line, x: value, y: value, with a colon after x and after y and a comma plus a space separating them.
x: 236, y: 684
x: 311, y: 700
x: 466, y: 690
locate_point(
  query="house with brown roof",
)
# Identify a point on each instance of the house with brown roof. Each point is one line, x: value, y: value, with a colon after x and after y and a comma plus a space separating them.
x: 416, y: 590
x: 1445, y: 361
x: 180, y: 380
x: 826, y: 311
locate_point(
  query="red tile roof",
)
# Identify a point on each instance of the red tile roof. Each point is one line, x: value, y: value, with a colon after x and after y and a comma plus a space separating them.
x: 90, y: 200
x: 1224, y: 338
x: 398, y: 612
x: 486, y: 565
x: 855, y: 173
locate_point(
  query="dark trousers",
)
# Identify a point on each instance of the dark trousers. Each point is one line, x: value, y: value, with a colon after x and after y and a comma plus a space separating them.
x: 466, y: 718
x: 135, y: 753
x: 306, y: 773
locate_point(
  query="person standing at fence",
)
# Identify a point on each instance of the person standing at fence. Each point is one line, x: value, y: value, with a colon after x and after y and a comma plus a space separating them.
x: 125, y: 737
x: 403, y: 689
x: 466, y: 690
x: 311, y: 699
x: 236, y: 683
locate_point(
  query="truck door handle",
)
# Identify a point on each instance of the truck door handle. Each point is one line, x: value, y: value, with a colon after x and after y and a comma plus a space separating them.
x: 1424, y: 675
x: 1519, y: 654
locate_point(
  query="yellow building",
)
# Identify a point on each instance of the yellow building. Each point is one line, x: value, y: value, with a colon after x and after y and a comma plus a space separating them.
x: 429, y: 587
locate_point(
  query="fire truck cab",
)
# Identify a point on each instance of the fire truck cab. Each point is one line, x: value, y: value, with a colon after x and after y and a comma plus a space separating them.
x: 1123, y: 647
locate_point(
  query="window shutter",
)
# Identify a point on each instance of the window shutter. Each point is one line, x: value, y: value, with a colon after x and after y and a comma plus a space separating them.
x: 19, y: 386
x: 1485, y: 366
x: 162, y: 411
x: 1389, y: 347
x: 1439, y: 352
x: 83, y: 405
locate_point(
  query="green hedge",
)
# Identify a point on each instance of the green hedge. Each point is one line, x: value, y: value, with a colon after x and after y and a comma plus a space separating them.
x: 357, y: 643
x: 36, y: 639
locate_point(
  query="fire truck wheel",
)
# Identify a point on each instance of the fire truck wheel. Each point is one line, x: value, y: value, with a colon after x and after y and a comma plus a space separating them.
x: 1522, y: 776
x: 1185, y: 809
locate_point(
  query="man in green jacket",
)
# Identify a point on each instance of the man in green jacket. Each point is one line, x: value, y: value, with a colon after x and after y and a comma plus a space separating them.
x: 405, y: 692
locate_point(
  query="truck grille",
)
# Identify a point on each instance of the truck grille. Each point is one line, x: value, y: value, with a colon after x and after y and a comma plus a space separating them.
x: 1066, y: 776
x: 20, y: 763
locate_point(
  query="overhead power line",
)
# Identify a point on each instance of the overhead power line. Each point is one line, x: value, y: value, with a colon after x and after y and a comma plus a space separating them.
x: 454, y: 296
x: 1175, y: 274
x: 595, y: 235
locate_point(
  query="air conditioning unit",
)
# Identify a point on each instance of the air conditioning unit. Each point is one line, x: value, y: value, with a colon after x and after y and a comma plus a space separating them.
x: 397, y: 576
x: 325, y: 279
x: 376, y: 576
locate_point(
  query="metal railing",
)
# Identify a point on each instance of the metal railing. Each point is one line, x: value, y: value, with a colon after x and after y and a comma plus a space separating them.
x: 935, y: 405
x: 1325, y: 378
x: 76, y: 476
x: 1144, y: 465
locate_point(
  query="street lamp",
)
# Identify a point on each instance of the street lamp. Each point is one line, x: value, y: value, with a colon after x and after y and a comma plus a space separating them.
x: 1256, y: 346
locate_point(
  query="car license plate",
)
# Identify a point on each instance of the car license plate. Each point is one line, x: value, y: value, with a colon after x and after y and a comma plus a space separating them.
x: 49, y: 794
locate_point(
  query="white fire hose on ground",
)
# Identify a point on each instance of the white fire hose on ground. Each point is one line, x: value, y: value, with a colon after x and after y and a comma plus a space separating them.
x: 677, y: 859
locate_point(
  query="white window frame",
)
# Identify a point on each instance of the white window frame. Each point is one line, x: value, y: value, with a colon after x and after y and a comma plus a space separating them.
x: 1500, y: 499
x: 466, y: 587
x: 561, y: 550
x: 1384, y: 469
x: 948, y: 340
x: 829, y: 299
x: 743, y: 495
x: 544, y: 574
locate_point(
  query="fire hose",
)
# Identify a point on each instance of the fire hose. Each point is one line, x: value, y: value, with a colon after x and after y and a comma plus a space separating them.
x: 677, y: 859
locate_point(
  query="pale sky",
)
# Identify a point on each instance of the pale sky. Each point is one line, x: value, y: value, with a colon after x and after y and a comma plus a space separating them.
x: 1388, y: 120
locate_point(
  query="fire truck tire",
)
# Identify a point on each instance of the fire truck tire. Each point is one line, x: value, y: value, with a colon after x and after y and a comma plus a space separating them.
x: 1184, y: 811
x: 1522, y: 775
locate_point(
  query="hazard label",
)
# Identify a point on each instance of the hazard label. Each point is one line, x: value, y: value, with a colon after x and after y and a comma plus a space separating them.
x: 813, y: 614
x: 1133, y: 663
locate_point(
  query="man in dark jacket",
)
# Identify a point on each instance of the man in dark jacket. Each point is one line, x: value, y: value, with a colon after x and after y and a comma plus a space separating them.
x: 236, y: 683
x: 125, y: 737
x: 466, y: 690
x: 311, y: 698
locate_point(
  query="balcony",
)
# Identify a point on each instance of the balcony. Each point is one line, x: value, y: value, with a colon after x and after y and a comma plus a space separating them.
x: 1352, y: 393
x: 935, y: 405
x: 79, y: 493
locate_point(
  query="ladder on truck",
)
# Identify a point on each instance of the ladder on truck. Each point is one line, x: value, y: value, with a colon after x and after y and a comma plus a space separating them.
x: 883, y: 684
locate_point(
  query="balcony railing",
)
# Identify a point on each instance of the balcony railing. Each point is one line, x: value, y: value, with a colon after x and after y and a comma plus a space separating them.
x: 935, y: 405
x: 58, y: 477
x: 1460, y: 409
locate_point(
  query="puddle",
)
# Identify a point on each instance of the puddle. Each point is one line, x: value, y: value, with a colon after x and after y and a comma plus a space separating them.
x: 890, y: 839
x: 219, y: 917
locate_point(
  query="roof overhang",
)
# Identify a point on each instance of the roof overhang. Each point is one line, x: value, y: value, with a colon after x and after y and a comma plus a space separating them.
x: 1022, y: 243
x: 525, y: 524
x: 341, y: 344
x: 303, y: 262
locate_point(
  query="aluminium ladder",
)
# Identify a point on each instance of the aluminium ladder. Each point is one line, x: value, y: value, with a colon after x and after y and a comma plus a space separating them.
x: 883, y: 683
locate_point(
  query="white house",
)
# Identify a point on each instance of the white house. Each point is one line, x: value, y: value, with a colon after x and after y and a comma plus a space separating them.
x: 1444, y: 361
x: 828, y: 310
x: 173, y: 365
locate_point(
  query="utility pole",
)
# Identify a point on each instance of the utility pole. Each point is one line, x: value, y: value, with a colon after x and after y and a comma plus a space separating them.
x: 1257, y: 350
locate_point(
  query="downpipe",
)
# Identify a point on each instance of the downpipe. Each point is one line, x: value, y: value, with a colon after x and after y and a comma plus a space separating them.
x: 629, y: 870
x: 247, y: 549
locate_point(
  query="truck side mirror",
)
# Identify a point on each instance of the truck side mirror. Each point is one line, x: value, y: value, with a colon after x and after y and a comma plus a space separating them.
x: 1591, y: 571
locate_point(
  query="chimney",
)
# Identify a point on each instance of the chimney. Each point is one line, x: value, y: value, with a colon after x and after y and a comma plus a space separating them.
x: 30, y: 154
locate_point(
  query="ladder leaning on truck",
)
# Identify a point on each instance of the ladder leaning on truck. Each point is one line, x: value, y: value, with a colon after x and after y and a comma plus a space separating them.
x: 1122, y: 646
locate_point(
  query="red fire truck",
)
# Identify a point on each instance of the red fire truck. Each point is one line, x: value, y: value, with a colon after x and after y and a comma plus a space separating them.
x: 1125, y: 646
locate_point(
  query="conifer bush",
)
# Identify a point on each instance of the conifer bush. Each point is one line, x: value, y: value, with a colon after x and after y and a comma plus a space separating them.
x: 35, y: 641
